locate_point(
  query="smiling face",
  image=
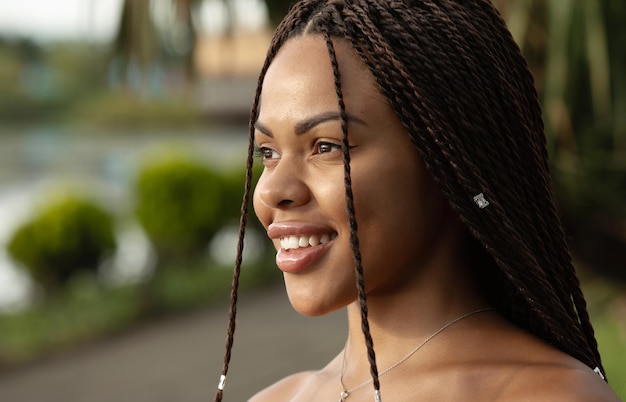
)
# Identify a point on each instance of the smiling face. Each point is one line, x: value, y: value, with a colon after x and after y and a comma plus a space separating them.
x: 300, y: 197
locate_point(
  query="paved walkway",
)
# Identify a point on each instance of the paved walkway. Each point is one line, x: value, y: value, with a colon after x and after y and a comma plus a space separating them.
x: 180, y: 359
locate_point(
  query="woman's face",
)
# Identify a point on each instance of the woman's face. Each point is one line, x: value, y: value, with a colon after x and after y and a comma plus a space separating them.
x: 300, y: 197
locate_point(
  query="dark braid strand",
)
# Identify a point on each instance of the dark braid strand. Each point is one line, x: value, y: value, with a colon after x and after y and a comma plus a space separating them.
x: 411, y: 42
x: 545, y: 284
x: 354, y: 239
x: 232, y: 313
x: 299, y: 12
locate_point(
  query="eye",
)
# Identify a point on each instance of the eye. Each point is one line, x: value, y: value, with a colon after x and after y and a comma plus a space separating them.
x: 266, y: 153
x: 326, y: 147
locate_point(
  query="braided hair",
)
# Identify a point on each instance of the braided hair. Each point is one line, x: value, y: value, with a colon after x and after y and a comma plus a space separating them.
x: 468, y: 102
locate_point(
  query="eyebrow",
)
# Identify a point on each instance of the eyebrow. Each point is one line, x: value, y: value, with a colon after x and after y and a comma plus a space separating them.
x: 309, y: 123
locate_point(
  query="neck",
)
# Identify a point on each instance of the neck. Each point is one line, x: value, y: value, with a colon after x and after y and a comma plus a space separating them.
x: 441, y: 291
x: 346, y: 392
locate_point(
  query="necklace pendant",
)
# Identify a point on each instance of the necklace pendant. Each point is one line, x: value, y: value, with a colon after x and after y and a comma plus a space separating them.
x: 344, y: 395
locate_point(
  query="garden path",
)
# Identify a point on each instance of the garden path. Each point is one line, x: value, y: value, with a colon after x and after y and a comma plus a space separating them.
x: 180, y: 358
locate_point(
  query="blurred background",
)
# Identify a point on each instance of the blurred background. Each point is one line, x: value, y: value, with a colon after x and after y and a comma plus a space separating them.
x: 123, y: 130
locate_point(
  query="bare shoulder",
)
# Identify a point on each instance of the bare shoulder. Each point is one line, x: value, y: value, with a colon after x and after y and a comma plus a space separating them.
x: 522, y: 367
x: 548, y: 374
x: 283, y: 390
x: 564, y: 383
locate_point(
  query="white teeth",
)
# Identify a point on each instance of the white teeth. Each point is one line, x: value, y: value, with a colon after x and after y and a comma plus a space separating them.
x: 292, y: 242
x: 295, y: 242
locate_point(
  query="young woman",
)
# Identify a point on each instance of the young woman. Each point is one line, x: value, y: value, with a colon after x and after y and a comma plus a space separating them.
x: 404, y: 152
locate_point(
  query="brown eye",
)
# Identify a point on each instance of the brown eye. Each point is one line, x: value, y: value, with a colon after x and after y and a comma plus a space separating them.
x: 326, y: 147
x: 266, y: 153
x: 269, y: 153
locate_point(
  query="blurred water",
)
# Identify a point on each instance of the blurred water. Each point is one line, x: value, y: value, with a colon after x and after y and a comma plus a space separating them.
x: 36, y: 163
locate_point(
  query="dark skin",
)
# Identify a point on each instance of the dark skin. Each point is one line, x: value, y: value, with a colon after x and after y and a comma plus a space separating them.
x: 412, y: 244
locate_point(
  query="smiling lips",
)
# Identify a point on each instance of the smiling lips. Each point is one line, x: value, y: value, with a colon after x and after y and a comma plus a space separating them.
x: 299, y: 251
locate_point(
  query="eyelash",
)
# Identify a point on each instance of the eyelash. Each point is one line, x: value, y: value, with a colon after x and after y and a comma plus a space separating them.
x: 259, y: 152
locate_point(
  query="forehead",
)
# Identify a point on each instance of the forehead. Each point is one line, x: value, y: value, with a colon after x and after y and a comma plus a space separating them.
x: 301, y: 79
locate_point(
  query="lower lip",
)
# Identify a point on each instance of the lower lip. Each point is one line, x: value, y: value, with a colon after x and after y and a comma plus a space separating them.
x: 298, y: 260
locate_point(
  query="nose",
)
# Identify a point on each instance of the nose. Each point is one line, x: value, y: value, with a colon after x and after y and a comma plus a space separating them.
x: 282, y: 186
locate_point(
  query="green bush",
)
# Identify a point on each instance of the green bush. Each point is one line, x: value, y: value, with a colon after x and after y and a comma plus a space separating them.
x: 67, y: 236
x: 180, y: 206
x: 233, y: 185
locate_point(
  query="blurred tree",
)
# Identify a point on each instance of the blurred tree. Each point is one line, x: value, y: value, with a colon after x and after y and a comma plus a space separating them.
x: 135, y: 45
x: 177, y: 31
x: 277, y: 9
x: 575, y: 49
x: 154, y: 36
x: 40, y: 83
x: 567, y: 45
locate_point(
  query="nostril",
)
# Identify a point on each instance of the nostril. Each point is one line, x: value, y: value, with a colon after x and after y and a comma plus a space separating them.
x: 285, y: 203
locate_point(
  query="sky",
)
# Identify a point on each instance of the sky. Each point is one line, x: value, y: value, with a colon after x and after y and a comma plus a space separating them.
x: 50, y: 20
x: 97, y: 20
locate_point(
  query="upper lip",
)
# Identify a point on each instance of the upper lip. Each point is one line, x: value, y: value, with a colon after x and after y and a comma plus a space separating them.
x: 279, y: 230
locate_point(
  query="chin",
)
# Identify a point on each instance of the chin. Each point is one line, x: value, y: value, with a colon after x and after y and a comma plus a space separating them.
x: 312, y: 302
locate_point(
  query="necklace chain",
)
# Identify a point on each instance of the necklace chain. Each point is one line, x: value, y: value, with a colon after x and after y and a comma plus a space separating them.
x: 345, y: 393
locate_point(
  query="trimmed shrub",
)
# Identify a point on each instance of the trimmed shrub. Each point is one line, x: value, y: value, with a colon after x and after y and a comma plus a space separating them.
x: 180, y: 206
x: 67, y: 236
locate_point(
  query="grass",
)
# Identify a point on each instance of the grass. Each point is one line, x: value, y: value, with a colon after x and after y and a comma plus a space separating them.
x: 68, y: 319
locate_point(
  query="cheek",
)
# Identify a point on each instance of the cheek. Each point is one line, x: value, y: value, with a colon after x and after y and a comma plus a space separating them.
x: 331, y: 192
x: 386, y: 189
x: 390, y: 209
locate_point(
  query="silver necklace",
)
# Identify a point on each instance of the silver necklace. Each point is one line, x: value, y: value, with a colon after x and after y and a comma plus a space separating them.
x: 345, y: 393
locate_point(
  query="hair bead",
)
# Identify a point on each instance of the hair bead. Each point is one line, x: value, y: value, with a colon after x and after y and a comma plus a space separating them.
x: 481, y: 201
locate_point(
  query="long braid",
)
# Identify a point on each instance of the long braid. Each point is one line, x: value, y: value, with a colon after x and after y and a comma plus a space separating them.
x: 525, y: 196
x: 566, y: 279
x: 527, y: 254
x: 277, y: 42
x: 555, y: 307
x: 570, y: 280
x: 354, y: 239
x: 545, y: 286
x: 533, y: 286
x: 232, y: 311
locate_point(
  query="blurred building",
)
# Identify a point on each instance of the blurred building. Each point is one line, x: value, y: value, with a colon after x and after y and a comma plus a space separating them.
x: 228, y: 68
